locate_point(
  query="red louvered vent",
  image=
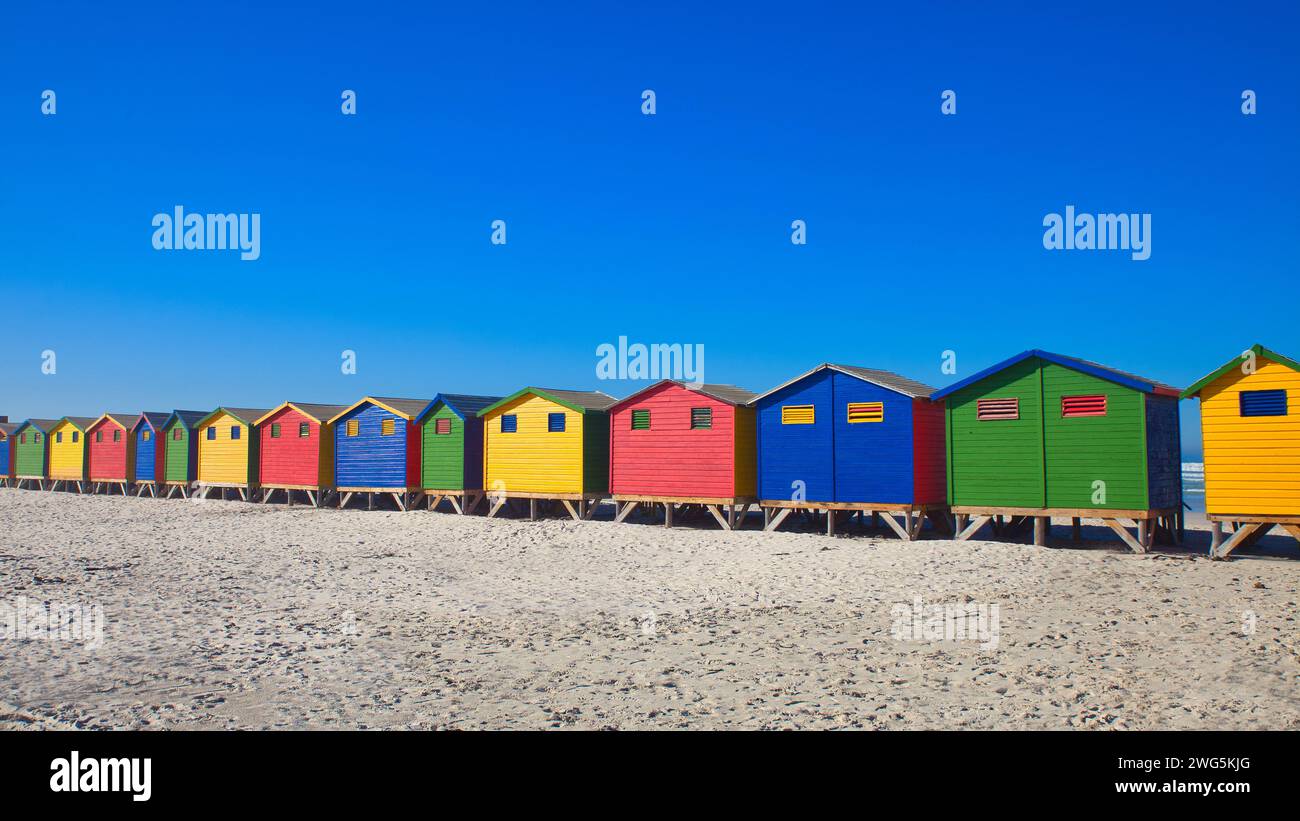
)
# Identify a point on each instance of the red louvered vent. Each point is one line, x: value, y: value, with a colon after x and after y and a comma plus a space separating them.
x: 1094, y: 405
x: 988, y: 410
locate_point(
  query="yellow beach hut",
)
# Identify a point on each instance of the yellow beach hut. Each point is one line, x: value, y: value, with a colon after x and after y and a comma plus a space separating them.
x: 541, y: 444
x: 1250, y: 430
x: 68, y: 453
x: 228, y: 451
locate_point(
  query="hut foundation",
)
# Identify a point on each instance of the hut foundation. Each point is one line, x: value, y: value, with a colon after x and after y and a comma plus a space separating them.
x: 1151, y: 526
x: 905, y: 520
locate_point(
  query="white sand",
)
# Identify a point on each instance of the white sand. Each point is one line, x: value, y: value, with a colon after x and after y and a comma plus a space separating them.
x: 224, y: 614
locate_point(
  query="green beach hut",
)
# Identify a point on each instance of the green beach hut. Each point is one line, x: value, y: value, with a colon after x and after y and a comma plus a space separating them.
x: 1043, y: 435
x: 451, y: 450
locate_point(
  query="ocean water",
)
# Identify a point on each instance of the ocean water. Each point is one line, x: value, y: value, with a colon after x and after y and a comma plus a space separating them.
x: 1194, y: 485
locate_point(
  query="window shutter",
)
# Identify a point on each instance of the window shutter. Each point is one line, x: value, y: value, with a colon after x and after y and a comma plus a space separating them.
x: 509, y: 424
x: 797, y: 415
x: 234, y: 432
x: 212, y: 433
x: 176, y: 434
x: 354, y: 427
x: 992, y: 410
x: 1263, y: 403
x: 99, y: 436
x: 304, y: 430
x: 117, y: 436
x: 146, y: 435
x: 555, y: 422
x: 58, y: 438
x: 22, y: 439
x: 76, y: 437
x: 275, y: 430
x: 442, y: 427
x: 701, y: 418
x: 1091, y: 405
x: 641, y: 419
x: 866, y: 412
x: 388, y: 427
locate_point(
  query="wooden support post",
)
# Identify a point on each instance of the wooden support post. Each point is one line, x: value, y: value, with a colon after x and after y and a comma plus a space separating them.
x: 1216, y: 537
x: 1041, y: 526
x: 830, y: 522
x: 496, y: 506
x: 975, y: 523
x: 532, y: 510
x: 775, y: 518
x: 668, y: 514
x: 1236, y: 539
x: 716, y: 512
x: 1144, y: 533
x: 1121, y: 531
x: 1076, y: 528
x: 888, y: 518
x: 625, y: 511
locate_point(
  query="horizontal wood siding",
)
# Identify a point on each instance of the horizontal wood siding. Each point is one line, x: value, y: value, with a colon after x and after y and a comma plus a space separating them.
x: 1164, y: 452
x: 997, y: 463
x: 6, y: 454
x: 595, y: 451
x: 745, y: 450
x: 224, y: 459
x: 371, y: 459
x: 797, y: 455
x: 1252, y: 463
x: 533, y: 460
x: 180, y: 454
x: 108, y: 460
x: 873, y: 460
x: 1084, y: 450
x: 291, y: 459
x: 67, y: 458
x: 929, y: 459
x: 443, y: 454
x: 30, y: 458
x: 146, y: 454
x: 671, y: 459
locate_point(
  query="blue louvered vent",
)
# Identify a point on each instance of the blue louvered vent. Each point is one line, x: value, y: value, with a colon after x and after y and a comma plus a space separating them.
x: 555, y: 422
x: 1263, y: 403
x: 509, y: 423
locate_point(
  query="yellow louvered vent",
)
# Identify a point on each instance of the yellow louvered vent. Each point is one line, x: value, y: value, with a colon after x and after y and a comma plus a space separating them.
x: 354, y: 427
x: 866, y: 412
x: 796, y: 414
x: 388, y: 427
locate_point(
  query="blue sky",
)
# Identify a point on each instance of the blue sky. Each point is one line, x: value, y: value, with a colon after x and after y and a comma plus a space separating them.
x: 924, y: 231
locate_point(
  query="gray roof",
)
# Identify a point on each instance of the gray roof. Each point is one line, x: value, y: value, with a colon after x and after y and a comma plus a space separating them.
x: 8, y: 427
x: 188, y: 418
x: 127, y: 419
x: 591, y: 400
x: 410, y: 407
x: 317, y: 411
x: 41, y: 424
x: 730, y: 394
x: 246, y: 415
x: 156, y: 419
x: 885, y: 379
x: 81, y: 422
x: 464, y: 404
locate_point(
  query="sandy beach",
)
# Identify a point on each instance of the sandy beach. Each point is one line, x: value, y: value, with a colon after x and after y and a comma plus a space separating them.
x: 233, y: 615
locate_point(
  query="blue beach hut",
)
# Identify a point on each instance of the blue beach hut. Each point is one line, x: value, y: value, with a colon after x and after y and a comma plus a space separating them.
x: 377, y: 449
x: 842, y: 438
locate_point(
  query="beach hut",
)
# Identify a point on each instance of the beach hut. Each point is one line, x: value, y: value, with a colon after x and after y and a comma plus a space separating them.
x: 228, y: 452
x: 377, y: 449
x: 110, y: 452
x: 846, y: 440
x: 7, y: 452
x: 1042, y: 435
x: 32, y: 452
x: 296, y: 452
x: 68, y: 453
x: 181, y: 451
x: 1250, y: 430
x: 542, y: 444
x: 148, y: 457
x: 451, y: 450
x: 677, y: 444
